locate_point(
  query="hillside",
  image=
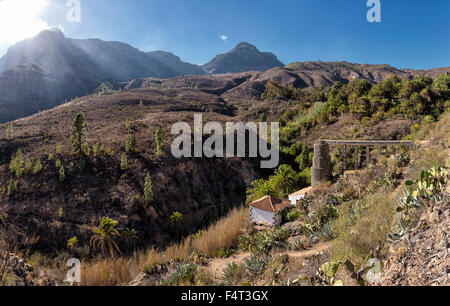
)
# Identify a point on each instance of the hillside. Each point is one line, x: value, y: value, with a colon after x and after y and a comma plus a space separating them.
x: 49, y: 207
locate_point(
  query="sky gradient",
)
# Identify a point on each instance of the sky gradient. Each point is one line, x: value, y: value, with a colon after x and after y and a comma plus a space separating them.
x: 412, y: 34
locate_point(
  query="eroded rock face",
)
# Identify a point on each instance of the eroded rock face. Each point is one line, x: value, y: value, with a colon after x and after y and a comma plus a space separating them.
x: 422, y: 257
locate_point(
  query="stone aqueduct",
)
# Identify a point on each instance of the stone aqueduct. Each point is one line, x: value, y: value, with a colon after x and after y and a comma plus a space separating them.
x: 321, y: 169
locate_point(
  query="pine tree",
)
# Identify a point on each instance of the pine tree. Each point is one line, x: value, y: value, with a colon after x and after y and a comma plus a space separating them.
x: 12, y: 187
x: 16, y: 166
x: 78, y: 137
x: 131, y: 145
x: 9, y: 131
x: 148, y: 189
x: 60, y: 212
x: 37, y: 167
x: 124, y: 162
x: 62, y: 174
x: 159, y: 138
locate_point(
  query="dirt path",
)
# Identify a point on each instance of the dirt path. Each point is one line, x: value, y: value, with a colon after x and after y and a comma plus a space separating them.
x: 320, y: 247
x: 216, y: 266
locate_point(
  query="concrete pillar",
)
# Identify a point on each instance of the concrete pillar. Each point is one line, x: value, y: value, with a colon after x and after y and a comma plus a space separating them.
x: 344, y: 157
x: 321, y: 169
x: 368, y: 156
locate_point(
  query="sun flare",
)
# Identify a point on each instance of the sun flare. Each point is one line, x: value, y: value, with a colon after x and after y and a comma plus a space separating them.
x: 20, y: 19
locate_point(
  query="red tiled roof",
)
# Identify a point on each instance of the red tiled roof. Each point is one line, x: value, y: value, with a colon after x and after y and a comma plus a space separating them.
x: 271, y: 204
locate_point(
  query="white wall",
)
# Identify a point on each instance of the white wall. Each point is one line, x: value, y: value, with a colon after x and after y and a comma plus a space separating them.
x: 261, y: 216
x: 295, y: 198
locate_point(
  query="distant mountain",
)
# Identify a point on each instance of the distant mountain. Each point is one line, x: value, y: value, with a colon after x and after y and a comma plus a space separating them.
x: 44, y: 71
x: 176, y: 64
x: 66, y: 68
x: 65, y: 63
x: 41, y: 72
x: 105, y: 60
x: 244, y: 57
x: 123, y: 62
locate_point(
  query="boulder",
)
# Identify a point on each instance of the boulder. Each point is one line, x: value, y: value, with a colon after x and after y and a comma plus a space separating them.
x: 293, y: 228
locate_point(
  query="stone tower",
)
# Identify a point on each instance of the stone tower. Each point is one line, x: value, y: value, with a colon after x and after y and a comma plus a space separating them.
x: 321, y: 169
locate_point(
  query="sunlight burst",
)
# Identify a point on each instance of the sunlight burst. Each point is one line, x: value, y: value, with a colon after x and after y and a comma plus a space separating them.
x: 20, y: 19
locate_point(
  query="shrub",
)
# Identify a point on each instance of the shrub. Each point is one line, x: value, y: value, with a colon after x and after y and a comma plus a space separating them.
x: 263, y: 242
x: 224, y: 252
x: 184, y: 274
x: 72, y: 243
x: 256, y: 264
x: 293, y: 215
x: 363, y: 227
x: 233, y: 274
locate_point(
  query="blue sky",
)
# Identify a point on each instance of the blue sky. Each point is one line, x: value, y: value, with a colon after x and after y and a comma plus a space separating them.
x: 412, y: 33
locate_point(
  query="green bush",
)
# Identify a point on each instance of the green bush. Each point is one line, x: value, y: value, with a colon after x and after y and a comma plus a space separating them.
x: 234, y: 274
x: 293, y: 215
x: 185, y: 274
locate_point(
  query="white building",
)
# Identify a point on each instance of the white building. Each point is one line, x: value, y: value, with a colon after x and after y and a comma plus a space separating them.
x: 268, y: 210
x: 299, y: 195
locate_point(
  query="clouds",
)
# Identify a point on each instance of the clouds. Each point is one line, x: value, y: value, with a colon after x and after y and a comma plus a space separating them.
x: 224, y: 38
x: 20, y: 19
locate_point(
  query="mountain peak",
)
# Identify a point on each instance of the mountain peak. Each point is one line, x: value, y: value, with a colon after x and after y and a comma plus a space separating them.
x: 245, y: 45
x: 53, y: 33
x: 243, y: 57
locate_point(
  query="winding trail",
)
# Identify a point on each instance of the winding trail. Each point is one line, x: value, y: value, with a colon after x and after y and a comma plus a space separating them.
x: 217, y: 265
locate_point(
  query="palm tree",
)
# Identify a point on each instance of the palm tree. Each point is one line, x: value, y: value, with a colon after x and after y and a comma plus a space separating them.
x: 104, y: 237
x: 285, y: 180
x: 176, y: 218
x: 260, y: 188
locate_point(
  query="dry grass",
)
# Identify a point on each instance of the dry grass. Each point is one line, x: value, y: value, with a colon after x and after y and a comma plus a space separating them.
x: 225, y: 233
x: 120, y: 271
